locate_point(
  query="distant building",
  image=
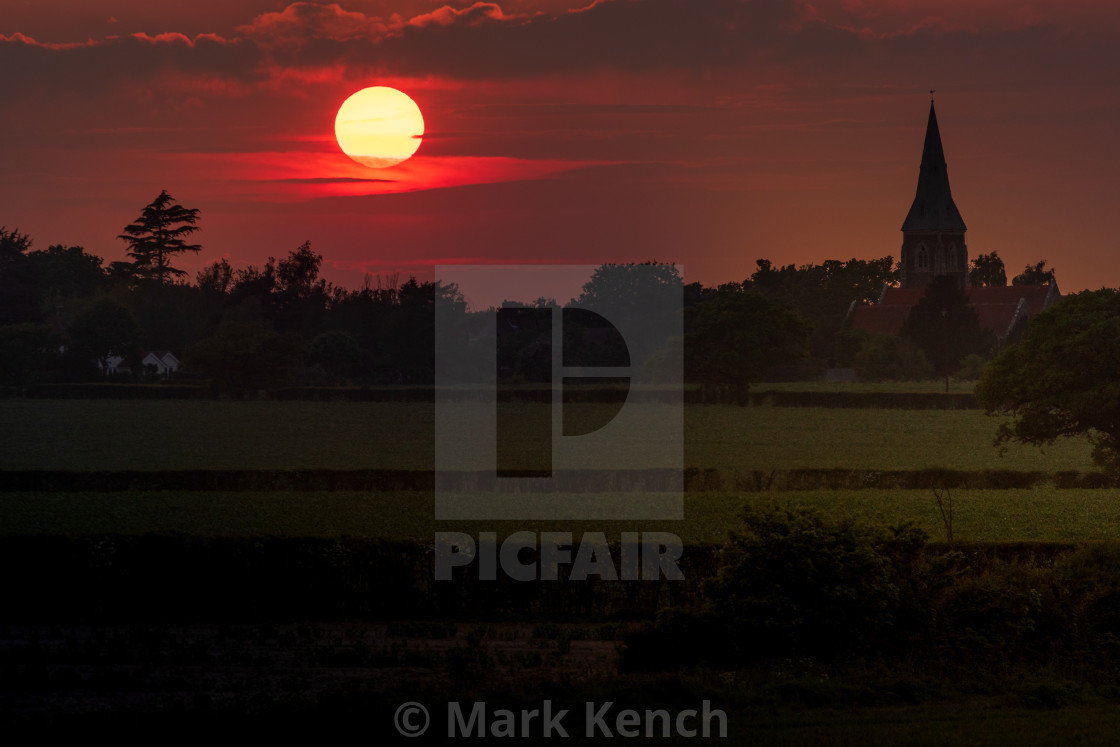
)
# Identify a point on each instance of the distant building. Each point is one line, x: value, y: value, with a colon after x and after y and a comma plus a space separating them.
x: 114, y: 365
x: 1003, y: 310
x: 163, y: 361
x: 933, y: 244
x: 933, y: 232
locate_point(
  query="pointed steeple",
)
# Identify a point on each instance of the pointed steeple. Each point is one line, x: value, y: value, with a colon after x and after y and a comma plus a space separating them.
x: 933, y: 208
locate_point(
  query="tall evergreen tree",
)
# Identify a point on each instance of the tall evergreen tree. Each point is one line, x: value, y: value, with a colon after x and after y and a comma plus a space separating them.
x: 945, y: 326
x: 158, y: 235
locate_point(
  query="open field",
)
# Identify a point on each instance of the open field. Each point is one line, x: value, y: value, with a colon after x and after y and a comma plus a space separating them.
x: 85, y: 435
x: 208, y: 435
x: 1042, y: 515
x: 932, y: 386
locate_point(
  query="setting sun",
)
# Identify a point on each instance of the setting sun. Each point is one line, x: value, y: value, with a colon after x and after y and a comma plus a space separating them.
x: 379, y: 127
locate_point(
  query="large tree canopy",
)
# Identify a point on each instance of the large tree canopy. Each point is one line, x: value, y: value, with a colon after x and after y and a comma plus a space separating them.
x: 823, y: 294
x: 104, y: 330
x: 987, y: 270
x: 1035, y: 274
x: 945, y: 326
x: 735, y: 336
x: 1062, y: 378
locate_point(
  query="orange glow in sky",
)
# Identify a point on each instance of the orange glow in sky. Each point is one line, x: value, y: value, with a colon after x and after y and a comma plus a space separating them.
x: 564, y: 131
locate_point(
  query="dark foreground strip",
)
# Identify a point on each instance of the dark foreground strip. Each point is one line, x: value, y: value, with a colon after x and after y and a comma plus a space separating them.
x: 151, y: 577
x: 576, y: 481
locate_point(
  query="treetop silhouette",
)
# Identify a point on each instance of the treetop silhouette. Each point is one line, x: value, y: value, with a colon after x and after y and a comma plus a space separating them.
x: 158, y: 235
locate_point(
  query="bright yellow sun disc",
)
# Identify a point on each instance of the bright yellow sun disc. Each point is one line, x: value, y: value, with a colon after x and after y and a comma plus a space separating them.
x: 379, y: 127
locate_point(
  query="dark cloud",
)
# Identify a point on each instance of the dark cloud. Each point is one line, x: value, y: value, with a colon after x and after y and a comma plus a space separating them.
x: 482, y: 41
x: 29, y: 65
x: 302, y: 22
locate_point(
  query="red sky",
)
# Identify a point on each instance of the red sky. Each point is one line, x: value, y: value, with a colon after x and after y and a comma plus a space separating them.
x: 708, y: 133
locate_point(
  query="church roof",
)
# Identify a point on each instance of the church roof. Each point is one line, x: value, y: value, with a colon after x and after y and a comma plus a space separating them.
x: 933, y: 208
x: 998, y: 307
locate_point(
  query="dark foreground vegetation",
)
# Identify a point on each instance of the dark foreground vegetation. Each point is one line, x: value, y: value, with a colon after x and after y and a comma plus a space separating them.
x: 797, y: 615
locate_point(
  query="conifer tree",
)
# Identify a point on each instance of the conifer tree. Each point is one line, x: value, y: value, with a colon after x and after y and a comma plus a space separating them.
x: 158, y: 235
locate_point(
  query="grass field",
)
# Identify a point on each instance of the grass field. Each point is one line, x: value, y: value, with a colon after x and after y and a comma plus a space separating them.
x: 933, y: 386
x: 85, y: 435
x: 168, y: 435
x: 1043, y: 515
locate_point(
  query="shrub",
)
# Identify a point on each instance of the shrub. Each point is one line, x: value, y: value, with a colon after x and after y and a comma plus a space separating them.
x: 888, y: 358
x: 972, y: 366
x: 993, y: 617
x: 798, y: 583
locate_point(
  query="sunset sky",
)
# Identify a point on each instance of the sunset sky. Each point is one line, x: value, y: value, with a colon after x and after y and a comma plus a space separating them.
x: 708, y: 133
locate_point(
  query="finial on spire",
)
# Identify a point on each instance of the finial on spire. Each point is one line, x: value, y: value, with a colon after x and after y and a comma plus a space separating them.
x: 931, y: 92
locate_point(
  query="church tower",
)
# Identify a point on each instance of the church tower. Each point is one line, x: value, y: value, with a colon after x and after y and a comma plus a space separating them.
x: 933, y: 233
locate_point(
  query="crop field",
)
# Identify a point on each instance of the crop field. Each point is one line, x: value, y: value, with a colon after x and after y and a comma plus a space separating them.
x: 83, y: 435
x: 96, y: 436
x: 933, y: 386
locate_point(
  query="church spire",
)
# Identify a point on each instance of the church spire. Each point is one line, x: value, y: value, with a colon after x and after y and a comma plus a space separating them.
x: 933, y: 208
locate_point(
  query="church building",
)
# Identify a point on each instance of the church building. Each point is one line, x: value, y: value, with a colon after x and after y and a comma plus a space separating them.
x: 933, y: 244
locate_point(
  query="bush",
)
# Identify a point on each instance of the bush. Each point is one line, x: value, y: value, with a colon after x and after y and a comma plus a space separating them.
x: 888, y: 358
x: 972, y: 366
x: 242, y: 357
x: 993, y: 617
x: 798, y: 583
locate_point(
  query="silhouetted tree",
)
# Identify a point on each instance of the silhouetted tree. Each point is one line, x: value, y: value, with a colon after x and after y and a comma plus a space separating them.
x: 298, y: 273
x: 299, y: 296
x: 987, y: 270
x: 736, y: 336
x: 945, y: 326
x: 645, y: 299
x: 25, y: 348
x: 335, y: 352
x: 1061, y: 379
x: 104, y: 330
x: 636, y: 283
x: 242, y: 357
x: 890, y: 358
x: 158, y: 235
x: 66, y: 272
x: 822, y: 294
x: 172, y: 316
x: 216, y: 277
x: 1035, y: 274
x: 13, y: 246
x: 18, y: 300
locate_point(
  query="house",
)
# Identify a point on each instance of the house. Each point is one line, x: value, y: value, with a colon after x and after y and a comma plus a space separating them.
x: 933, y: 244
x: 163, y: 362
x: 113, y: 366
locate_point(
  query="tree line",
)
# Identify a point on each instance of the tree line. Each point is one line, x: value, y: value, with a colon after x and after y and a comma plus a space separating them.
x: 65, y: 316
